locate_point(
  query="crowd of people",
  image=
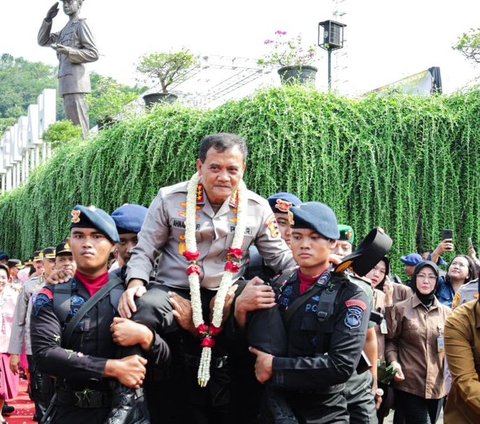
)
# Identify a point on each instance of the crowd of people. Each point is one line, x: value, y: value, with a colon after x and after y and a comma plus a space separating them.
x: 215, y: 305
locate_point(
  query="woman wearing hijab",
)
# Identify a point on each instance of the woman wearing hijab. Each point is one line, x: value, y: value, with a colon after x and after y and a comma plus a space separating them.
x: 415, y: 347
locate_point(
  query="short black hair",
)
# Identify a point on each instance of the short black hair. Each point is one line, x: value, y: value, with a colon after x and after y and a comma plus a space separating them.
x: 221, y: 142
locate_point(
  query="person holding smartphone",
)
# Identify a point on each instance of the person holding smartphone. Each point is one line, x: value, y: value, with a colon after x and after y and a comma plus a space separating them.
x: 460, y: 271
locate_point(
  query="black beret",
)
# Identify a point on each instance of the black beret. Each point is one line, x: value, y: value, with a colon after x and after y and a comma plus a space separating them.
x: 318, y: 217
x: 92, y: 217
x: 129, y: 218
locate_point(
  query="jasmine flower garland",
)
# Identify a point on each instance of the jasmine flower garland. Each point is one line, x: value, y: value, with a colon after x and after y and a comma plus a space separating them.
x: 232, y: 266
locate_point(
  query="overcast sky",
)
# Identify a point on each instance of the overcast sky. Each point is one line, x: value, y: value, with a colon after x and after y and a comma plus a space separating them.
x: 385, y: 40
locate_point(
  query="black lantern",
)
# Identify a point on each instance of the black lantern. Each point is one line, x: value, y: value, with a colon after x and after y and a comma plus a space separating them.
x: 330, y: 37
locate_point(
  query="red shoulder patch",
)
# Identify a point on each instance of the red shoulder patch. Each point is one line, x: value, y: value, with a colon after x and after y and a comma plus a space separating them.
x: 46, y: 292
x: 356, y: 302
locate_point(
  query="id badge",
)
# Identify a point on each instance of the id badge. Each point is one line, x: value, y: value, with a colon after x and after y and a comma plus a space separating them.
x: 440, y: 344
x: 383, y: 327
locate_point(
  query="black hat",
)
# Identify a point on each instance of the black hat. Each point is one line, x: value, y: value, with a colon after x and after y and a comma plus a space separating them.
x: 4, y: 256
x: 63, y: 248
x: 129, y: 218
x: 92, y: 217
x: 17, y: 263
x: 317, y: 217
x: 48, y: 253
x: 37, y: 255
x: 371, y: 250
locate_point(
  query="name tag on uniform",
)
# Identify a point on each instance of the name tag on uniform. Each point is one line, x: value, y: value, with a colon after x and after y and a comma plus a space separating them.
x: 440, y: 344
x: 383, y: 326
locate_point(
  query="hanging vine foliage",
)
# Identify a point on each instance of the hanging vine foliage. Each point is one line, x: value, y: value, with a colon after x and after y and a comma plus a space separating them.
x: 407, y: 164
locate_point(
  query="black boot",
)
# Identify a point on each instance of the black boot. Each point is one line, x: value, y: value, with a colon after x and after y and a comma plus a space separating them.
x: 128, y: 407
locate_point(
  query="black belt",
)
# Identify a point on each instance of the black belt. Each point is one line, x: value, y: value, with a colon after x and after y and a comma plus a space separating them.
x: 216, y: 362
x: 86, y: 398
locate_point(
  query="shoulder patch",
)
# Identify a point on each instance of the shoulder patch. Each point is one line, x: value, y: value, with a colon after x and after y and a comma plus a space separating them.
x: 272, y: 226
x: 350, y: 303
x: 43, y: 298
x: 354, y: 316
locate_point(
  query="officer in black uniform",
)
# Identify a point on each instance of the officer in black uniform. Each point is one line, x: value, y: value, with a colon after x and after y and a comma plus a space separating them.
x: 83, y: 362
x: 325, y: 316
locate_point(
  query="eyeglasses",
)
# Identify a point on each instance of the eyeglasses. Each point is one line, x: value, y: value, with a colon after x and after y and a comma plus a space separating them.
x: 426, y: 277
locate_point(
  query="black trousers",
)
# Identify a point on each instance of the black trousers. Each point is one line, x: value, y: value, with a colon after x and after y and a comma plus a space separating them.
x: 417, y: 410
x: 360, y: 400
x: 41, y: 388
x: 177, y: 398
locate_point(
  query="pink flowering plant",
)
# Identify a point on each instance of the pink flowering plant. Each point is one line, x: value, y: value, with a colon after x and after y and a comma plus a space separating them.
x: 288, y: 51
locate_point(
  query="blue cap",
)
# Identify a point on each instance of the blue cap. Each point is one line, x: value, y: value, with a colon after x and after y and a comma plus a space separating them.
x: 92, y: 217
x: 129, y: 218
x: 412, y: 260
x: 283, y: 201
x: 4, y: 256
x: 318, y: 217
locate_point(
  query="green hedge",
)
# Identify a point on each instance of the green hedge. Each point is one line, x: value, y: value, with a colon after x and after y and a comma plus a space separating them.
x: 408, y: 164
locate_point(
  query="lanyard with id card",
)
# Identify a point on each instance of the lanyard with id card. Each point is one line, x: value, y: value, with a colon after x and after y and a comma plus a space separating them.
x: 440, y: 339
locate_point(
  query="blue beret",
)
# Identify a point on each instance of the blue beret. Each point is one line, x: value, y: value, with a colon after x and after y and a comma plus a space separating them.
x: 282, y: 202
x: 129, y: 218
x: 4, y: 256
x: 318, y: 217
x: 92, y: 217
x: 412, y: 260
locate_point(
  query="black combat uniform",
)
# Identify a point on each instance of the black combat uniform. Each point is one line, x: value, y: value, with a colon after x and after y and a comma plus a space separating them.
x: 324, y: 338
x: 83, y: 395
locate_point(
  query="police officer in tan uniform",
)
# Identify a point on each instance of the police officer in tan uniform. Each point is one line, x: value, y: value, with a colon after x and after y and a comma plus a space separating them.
x: 221, y: 165
x: 75, y: 46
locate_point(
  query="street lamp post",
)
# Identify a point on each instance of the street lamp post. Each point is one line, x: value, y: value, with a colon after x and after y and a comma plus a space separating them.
x: 330, y: 37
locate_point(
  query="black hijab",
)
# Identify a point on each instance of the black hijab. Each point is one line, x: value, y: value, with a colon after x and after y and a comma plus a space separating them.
x: 426, y: 299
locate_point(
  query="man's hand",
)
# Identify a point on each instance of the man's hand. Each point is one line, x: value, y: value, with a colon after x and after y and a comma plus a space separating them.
x: 52, y: 12
x: 182, y: 311
x: 126, y: 305
x: 399, y: 377
x: 126, y: 332
x: 59, y: 276
x: 256, y: 295
x: 263, y: 365
x: 129, y: 371
x: 14, y: 362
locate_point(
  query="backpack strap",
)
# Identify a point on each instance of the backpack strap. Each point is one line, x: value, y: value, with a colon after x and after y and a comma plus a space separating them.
x: 87, y: 306
x: 62, y: 294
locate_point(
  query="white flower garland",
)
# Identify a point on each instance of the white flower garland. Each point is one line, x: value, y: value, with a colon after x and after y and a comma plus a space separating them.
x: 208, y: 332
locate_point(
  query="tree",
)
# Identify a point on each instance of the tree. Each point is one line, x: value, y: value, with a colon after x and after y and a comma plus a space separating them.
x: 108, y: 98
x: 469, y: 44
x: 20, y: 84
x: 166, y: 67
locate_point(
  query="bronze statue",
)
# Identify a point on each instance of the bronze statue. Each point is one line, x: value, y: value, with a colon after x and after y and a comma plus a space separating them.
x: 75, y: 46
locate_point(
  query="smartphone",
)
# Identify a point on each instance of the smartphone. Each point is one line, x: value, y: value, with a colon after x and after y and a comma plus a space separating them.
x: 470, y: 242
x: 447, y: 234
